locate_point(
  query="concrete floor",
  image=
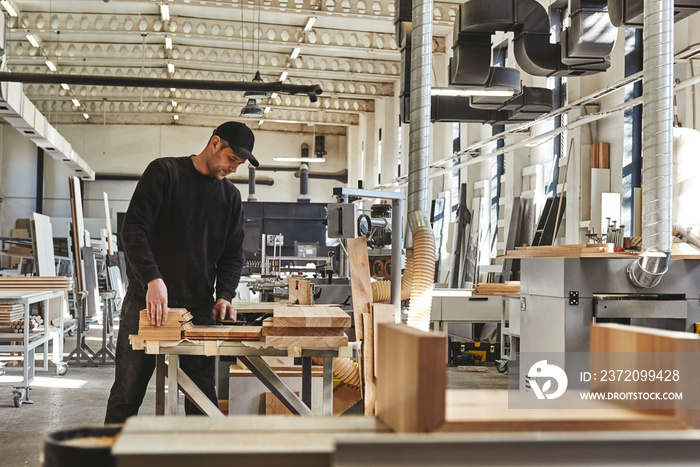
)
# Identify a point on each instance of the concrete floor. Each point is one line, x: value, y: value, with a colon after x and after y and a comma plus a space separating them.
x: 79, y: 398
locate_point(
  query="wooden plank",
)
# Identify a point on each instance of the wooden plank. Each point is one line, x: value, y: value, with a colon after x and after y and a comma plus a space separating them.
x: 321, y: 317
x: 480, y: 411
x: 299, y: 291
x: 42, y: 242
x: 305, y: 342
x: 231, y: 333
x: 381, y: 313
x: 305, y: 331
x: 411, y: 378
x: 368, y: 364
x: 77, y: 231
x: 111, y: 247
x: 360, y: 284
x: 595, y: 150
x: 634, y: 348
x: 604, y: 155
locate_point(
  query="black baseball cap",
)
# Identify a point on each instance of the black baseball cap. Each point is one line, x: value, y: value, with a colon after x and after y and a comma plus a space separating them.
x: 240, y: 138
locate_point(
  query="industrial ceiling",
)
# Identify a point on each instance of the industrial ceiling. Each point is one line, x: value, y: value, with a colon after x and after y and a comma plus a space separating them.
x: 349, y: 49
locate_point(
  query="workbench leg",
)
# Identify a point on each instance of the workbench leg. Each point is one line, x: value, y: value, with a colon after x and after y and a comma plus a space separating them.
x: 327, y: 386
x: 160, y: 384
x: 306, y: 381
x: 173, y: 391
x: 46, y: 334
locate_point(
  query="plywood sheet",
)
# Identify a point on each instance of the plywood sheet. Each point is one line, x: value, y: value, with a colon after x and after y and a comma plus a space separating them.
x: 301, y: 316
x: 42, y: 238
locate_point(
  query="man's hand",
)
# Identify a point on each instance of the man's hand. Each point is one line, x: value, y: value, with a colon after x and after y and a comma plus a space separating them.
x: 157, y: 302
x: 221, y: 309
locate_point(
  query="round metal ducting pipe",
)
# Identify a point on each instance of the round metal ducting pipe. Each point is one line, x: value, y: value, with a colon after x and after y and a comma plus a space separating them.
x: 251, y: 184
x: 424, y: 251
x: 657, y: 149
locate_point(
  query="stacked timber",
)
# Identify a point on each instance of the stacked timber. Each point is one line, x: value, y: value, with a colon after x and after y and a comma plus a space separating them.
x: 590, y: 250
x: 11, y: 313
x: 178, y: 319
x: 507, y: 288
x: 35, y: 283
x: 223, y: 333
x: 308, y: 327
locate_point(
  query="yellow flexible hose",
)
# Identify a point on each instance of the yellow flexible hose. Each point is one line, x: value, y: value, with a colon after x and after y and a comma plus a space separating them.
x: 424, y: 254
x: 381, y: 290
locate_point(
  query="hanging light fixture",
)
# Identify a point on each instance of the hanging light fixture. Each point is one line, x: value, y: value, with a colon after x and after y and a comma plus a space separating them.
x: 252, y: 110
x: 257, y: 78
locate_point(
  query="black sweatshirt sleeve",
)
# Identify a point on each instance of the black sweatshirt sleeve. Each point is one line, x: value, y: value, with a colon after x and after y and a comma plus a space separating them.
x: 230, y: 264
x: 140, y: 216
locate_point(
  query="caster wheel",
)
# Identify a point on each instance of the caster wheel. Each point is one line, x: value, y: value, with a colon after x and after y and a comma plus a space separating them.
x: 18, y: 396
x: 502, y: 366
x: 61, y: 369
x: 87, y: 327
x: 71, y: 333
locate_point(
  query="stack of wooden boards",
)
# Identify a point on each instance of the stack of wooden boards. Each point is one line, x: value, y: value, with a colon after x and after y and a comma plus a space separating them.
x: 507, y: 288
x: 590, y: 250
x: 308, y: 327
x: 178, y: 319
x: 35, y: 283
x: 223, y: 333
x: 11, y: 313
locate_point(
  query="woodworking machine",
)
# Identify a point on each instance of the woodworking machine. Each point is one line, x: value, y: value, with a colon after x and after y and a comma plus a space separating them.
x: 561, y: 297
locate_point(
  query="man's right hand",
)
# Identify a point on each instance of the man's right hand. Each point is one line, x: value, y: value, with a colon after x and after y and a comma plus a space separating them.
x: 157, y: 302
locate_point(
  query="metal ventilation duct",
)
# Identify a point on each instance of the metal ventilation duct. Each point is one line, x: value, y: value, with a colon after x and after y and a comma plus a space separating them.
x: 18, y: 111
x: 584, y: 48
x: 657, y: 148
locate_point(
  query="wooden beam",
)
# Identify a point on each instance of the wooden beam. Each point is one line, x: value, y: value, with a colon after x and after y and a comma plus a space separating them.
x: 411, y: 378
x: 361, y: 286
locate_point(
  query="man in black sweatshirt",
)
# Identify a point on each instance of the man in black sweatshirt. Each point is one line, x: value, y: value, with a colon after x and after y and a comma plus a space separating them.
x: 182, y: 234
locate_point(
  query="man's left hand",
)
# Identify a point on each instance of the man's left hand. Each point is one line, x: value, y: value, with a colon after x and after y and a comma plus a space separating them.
x: 221, y: 309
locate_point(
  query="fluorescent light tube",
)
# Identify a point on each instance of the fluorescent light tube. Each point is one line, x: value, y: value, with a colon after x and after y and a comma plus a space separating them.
x: 9, y: 8
x: 283, y: 76
x: 34, y: 40
x: 176, y: 117
x: 310, y: 24
x: 65, y: 86
x: 299, y: 159
x: 295, y: 53
x: 76, y: 102
x: 267, y: 110
x: 169, y: 43
x: 86, y: 116
x: 51, y: 66
x: 457, y: 92
x: 171, y: 68
x: 165, y: 11
x: 173, y: 103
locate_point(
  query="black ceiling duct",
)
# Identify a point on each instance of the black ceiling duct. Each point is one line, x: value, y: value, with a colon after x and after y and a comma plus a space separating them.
x: 586, y: 49
x: 128, y: 81
x: 630, y: 13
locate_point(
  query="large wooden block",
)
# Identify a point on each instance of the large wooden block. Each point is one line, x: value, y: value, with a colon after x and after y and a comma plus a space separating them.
x: 319, y: 317
x: 411, y: 378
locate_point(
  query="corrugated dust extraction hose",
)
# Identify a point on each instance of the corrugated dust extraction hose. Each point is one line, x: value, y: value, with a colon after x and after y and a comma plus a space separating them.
x: 381, y: 290
x: 424, y: 254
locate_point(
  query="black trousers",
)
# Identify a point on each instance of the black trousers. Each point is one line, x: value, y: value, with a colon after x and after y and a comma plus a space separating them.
x: 134, y: 368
